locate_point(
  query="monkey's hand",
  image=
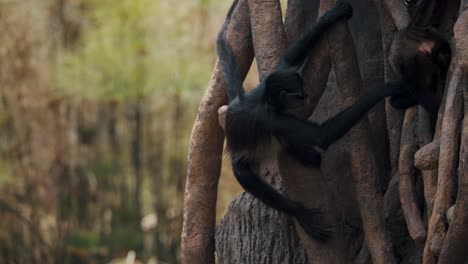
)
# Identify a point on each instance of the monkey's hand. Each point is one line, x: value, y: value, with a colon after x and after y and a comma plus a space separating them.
x: 222, y: 116
x: 402, y: 101
x: 399, y: 89
x: 402, y: 96
x: 408, y: 96
x: 345, y: 7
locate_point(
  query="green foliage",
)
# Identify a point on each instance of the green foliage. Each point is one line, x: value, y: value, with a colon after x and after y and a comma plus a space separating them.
x: 103, y: 167
x: 80, y: 186
x: 135, y: 48
x: 83, y: 239
x: 124, y: 238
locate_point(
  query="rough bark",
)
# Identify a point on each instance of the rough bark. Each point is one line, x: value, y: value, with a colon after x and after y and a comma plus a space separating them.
x: 409, y: 203
x: 253, y: 233
x: 455, y: 248
x: 269, y: 38
x: 398, y: 12
x: 364, y: 169
x: 315, y: 185
x: 300, y: 14
x: 428, y: 173
x: 448, y: 160
x: 446, y: 164
x: 394, y: 16
x: 206, y: 145
x: 461, y: 39
x: 427, y: 157
x: 394, y: 117
x: 367, y: 35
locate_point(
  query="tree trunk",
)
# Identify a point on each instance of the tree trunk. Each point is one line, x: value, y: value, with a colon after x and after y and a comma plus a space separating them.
x: 380, y: 156
x: 137, y: 160
x: 206, y: 145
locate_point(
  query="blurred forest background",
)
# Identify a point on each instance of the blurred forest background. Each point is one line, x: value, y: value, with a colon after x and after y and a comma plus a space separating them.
x: 98, y: 98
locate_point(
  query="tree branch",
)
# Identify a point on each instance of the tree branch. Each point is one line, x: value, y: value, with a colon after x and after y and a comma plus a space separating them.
x: 269, y: 38
x: 394, y: 116
x: 427, y: 157
x: 448, y: 160
x: 407, y: 172
x: 455, y: 247
x: 205, y: 152
x: 364, y: 169
x: 398, y: 12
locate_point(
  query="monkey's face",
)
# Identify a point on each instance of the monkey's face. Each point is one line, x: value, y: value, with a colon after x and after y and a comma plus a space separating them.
x: 285, y: 91
x: 426, y: 47
x: 413, y: 3
x: 292, y: 101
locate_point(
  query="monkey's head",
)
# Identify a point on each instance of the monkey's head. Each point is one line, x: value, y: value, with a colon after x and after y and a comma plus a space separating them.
x: 413, y: 3
x: 284, y: 91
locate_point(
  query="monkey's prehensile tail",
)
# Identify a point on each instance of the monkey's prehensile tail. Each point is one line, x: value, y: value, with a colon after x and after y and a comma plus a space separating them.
x: 226, y: 59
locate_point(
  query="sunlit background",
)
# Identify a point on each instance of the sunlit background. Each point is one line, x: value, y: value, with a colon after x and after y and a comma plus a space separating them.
x: 98, y: 98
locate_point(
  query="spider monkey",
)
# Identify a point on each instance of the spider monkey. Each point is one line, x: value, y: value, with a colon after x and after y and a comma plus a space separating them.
x: 261, y: 121
x: 420, y: 56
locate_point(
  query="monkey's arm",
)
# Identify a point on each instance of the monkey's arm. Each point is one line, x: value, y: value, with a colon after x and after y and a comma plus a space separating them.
x: 309, y: 135
x: 422, y: 75
x: 426, y: 99
x: 337, y: 126
x: 296, y: 54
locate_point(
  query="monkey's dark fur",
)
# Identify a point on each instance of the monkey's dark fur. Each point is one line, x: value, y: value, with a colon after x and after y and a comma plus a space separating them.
x: 420, y: 55
x: 260, y: 122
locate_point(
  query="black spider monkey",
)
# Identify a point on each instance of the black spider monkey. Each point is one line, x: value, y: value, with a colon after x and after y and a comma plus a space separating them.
x: 260, y: 122
x: 420, y: 56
